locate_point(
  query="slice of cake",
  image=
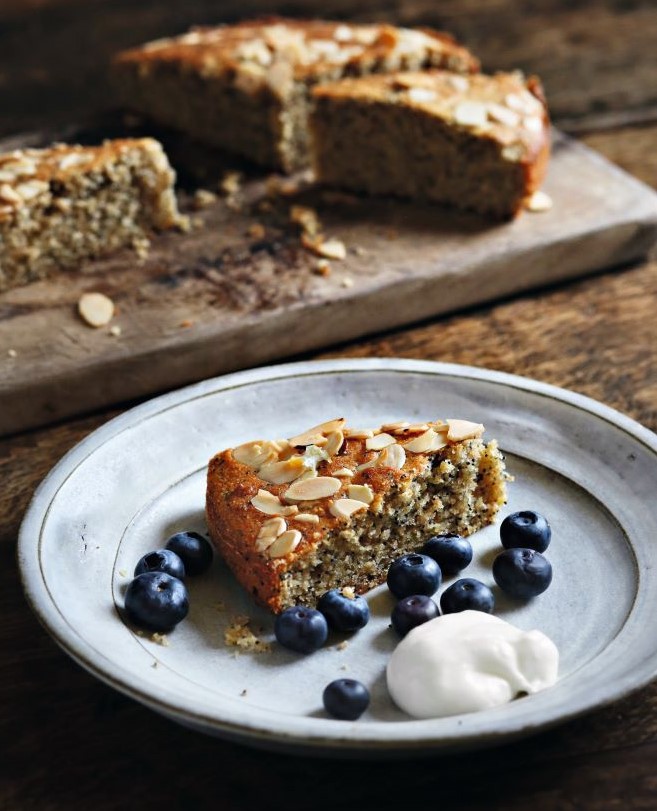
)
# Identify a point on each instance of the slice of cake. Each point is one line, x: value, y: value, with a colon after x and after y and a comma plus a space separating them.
x: 61, y: 205
x: 245, y: 87
x: 476, y: 142
x: 334, y: 506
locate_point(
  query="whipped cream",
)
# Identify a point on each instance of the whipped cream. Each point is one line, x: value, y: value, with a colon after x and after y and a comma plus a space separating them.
x: 468, y: 661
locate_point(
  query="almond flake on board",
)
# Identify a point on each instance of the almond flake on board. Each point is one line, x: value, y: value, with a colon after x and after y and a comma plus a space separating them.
x: 285, y: 543
x: 346, y: 507
x: 312, y: 489
x: 96, y: 309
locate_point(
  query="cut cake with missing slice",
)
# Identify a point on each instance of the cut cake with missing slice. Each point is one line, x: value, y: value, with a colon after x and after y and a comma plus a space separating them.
x: 61, y: 205
x: 245, y: 87
x: 334, y: 506
x: 475, y: 142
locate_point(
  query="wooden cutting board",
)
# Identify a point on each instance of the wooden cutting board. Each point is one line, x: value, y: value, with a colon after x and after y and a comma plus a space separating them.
x: 231, y: 294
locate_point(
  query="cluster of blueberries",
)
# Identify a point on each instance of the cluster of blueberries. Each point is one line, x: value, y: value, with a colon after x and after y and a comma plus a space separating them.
x: 521, y: 571
x: 157, y: 598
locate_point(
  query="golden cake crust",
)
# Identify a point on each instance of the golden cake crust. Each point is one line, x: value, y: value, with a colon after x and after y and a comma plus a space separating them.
x: 237, y: 495
x: 310, y: 48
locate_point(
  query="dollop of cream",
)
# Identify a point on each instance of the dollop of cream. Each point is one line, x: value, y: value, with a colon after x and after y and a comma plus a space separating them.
x: 469, y: 661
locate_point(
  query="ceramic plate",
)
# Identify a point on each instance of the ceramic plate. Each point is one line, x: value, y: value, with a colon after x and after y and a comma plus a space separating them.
x: 123, y: 490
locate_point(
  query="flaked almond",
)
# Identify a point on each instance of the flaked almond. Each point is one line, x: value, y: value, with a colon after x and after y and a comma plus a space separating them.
x: 283, y: 472
x: 380, y: 441
x: 31, y: 189
x: 391, y: 427
x: 256, y: 453
x: 270, y: 504
x: 426, y: 443
x: 284, y: 544
x: 272, y: 528
x: 358, y: 433
x: 343, y: 471
x: 348, y: 592
x: 307, y: 518
x: 311, y: 489
x: 346, y: 507
x: 318, y: 431
x: 471, y: 114
x: 539, y: 202
x: 502, y: 115
x: 9, y: 195
x: 392, y: 456
x: 96, y: 309
x: 334, y: 442
x: 328, y: 248
x: 460, y: 430
x: 361, y: 492
x: 421, y: 95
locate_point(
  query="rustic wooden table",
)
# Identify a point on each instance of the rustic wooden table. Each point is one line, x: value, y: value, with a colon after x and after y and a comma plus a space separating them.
x: 70, y: 742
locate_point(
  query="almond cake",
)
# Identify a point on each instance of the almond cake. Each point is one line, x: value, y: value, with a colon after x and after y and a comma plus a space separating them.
x: 64, y: 204
x: 334, y: 506
x: 476, y: 142
x: 245, y: 87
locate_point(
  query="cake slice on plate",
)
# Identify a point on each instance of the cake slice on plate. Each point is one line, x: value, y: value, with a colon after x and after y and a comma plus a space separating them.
x: 475, y: 142
x: 61, y: 205
x: 334, y: 506
x: 245, y: 87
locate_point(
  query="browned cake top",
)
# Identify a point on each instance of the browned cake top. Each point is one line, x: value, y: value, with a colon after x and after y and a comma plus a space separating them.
x: 294, y: 489
x: 504, y: 106
x: 279, y: 49
x: 26, y: 174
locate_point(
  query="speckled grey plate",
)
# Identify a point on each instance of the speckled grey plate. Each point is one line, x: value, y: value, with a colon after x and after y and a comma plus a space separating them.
x: 126, y: 487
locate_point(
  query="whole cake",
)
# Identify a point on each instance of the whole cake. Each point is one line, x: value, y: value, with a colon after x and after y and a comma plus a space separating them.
x: 64, y: 204
x: 245, y: 87
x: 476, y: 142
x: 334, y: 506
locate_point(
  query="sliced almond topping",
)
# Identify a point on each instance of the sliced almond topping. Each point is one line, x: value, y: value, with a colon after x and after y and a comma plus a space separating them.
x: 273, y: 526
x: 271, y: 504
x: 255, y: 454
x: 31, y: 188
x: 96, y: 309
x: 343, y: 471
x: 460, y: 430
x: 283, y: 472
x: 311, y: 489
x: 9, y: 195
x: 502, y: 115
x: 285, y: 543
x: 380, y: 441
x: 392, y: 456
x: 361, y: 492
x: 539, y: 202
x: 346, y: 507
x: 308, y: 518
x: 426, y: 442
x: 471, y: 114
x: 395, y: 426
x: 440, y: 426
x: 320, y: 432
x: 358, y: 433
x: 421, y: 95
x: 334, y: 442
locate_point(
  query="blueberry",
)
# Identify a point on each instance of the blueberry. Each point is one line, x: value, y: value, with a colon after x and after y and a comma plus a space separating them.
x: 413, y: 574
x: 346, y: 699
x: 194, y: 549
x: 451, y: 552
x: 156, y: 601
x: 522, y: 573
x: 526, y: 529
x: 344, y: 613
x: 467, y: 594
x: 301, y: 629
x: 164, y: 560
x: 413, y: 611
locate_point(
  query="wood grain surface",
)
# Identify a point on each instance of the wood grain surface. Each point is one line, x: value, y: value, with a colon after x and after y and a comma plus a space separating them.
x: 221, y: 297
x: 69, y: 742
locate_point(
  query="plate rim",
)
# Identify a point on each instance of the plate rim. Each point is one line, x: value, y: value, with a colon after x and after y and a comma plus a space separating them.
x: 50, y: 616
